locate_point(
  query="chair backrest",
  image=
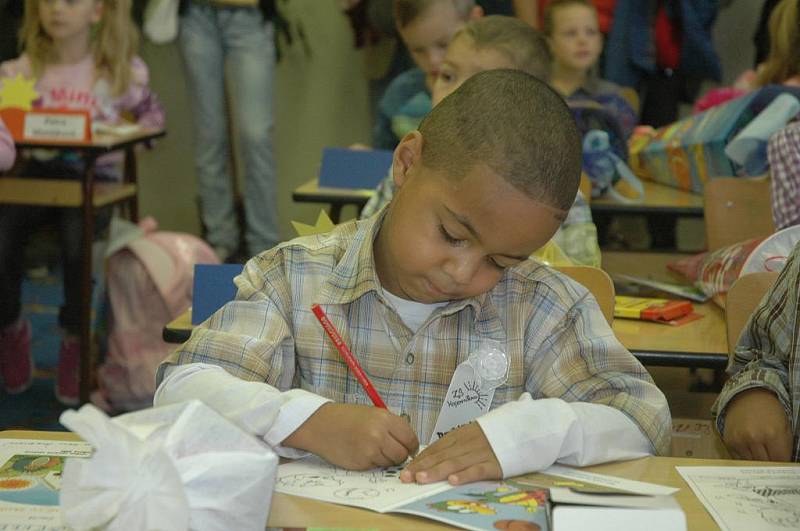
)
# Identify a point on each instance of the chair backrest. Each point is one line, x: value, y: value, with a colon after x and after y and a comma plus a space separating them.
x: 597, y: 282
x: 743, y: 297
x: 737, y: 209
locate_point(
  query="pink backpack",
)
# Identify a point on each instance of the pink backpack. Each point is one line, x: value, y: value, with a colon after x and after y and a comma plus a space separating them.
x: 149, y: 282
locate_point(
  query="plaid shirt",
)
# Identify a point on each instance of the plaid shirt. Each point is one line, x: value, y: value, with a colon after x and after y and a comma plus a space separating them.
x: 784, y: 159
x: 557, y: 340
x: 767, y: 352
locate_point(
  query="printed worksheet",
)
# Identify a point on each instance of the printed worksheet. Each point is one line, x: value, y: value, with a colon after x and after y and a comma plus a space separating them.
x: 747, y: 498
x: 30, y: 481
x: 477, y: 506
x: 379, y: 489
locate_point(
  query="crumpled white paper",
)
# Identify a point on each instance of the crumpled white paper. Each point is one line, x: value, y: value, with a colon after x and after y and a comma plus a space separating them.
x: 175, y: 467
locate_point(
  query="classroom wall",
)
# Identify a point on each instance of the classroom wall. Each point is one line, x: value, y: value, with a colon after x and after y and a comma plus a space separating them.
x: 320, y: 100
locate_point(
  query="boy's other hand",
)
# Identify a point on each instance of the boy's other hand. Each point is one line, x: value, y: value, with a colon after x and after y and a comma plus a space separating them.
x: 461, y: 456
x: 757, y: 428
x: 355, y: 437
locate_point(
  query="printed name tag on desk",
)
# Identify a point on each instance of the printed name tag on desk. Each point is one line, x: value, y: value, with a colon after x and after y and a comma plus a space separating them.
x: 57, y: 126
x: 472, y: 388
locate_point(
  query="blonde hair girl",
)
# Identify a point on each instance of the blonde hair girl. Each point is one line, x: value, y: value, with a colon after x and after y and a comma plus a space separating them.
x: 783, y: 61
x: 112, y: 39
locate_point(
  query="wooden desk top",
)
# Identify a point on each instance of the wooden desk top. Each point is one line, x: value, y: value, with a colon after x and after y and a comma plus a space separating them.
x: 99, y: 143
x: 311, y: 192
x: 292, y: 511
x: 657, y: 198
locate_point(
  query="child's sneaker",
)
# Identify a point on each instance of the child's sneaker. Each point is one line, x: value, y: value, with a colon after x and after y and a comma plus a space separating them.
x: 68, y: 376
x: 16, y: 363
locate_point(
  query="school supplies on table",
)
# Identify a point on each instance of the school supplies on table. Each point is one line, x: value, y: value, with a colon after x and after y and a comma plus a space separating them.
x: 650, y: 309
x: 559, y: 498
x: 687, y: 292
x: 354, y: 168
x: 348, y: 357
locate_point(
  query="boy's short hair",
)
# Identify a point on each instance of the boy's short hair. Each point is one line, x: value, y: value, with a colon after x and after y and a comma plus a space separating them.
x: 407, y: 11
x: 524, y: 47
x: 513, y: 123
x: 547, y: 18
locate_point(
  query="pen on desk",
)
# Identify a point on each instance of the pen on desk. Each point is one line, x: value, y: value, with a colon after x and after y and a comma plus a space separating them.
x: 351, y: 360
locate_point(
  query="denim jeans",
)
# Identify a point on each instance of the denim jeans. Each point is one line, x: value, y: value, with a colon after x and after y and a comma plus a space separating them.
x: 211, y: 38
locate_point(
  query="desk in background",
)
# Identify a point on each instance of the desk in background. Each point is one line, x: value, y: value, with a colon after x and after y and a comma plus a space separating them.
x: 72, y: 194
x: 311, y: 192
x: 658, y: 199
x: 292, y: 511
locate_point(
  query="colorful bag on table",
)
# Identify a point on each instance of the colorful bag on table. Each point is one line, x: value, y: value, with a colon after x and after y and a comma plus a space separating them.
x: 689, y: 152
x: 715, y: 272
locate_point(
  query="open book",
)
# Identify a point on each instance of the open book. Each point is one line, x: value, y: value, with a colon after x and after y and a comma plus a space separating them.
x: 30, y: 481
x: 562, y: 498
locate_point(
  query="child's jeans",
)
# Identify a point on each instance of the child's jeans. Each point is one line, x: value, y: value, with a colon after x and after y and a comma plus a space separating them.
x: 17, y: 224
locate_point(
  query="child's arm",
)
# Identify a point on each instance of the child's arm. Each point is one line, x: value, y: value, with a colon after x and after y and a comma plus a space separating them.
x: 8, y: 151
x: 757, y: 427
x: 142, y: 102
x: 241, y: 363
x: 761, y: 376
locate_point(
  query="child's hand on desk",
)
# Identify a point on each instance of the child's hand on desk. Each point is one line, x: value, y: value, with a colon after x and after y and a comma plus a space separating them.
x: 756, y: 427
x: 355, y: 437
x: 462, y: 456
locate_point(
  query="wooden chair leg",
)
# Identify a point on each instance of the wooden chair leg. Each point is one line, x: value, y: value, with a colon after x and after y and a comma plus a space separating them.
x: 86, y: 361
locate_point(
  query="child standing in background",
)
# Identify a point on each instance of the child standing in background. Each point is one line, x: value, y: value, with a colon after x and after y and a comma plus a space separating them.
x: 573, y: 32
x: 83, y: 55
x: 426, y: 28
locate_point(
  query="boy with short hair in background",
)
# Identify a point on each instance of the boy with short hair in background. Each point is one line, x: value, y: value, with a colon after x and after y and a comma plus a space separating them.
x: 485, y: 180
x: 426, y: 28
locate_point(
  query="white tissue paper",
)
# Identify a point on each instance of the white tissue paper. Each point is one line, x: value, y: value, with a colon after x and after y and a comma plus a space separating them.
x: 182, y: 466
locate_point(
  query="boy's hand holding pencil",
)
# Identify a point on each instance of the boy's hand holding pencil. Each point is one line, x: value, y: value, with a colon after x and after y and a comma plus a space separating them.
x: 356, y: 437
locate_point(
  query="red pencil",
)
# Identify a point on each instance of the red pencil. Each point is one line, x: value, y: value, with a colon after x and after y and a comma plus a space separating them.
x: 351, y: 360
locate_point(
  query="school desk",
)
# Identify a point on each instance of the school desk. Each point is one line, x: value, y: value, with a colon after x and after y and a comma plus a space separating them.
x: 658, y: 199
x: 291, y: 511
x: 702, y: 343
x: 312, y: 192
x: 71, y: 194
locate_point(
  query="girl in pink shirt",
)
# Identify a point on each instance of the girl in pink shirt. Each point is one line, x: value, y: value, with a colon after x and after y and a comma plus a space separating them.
x: 82, y: 53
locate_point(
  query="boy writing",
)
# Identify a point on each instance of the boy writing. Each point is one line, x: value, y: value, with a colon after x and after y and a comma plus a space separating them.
x: 426, y: 28
x: 414, y: 291
x: 758, y: 407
